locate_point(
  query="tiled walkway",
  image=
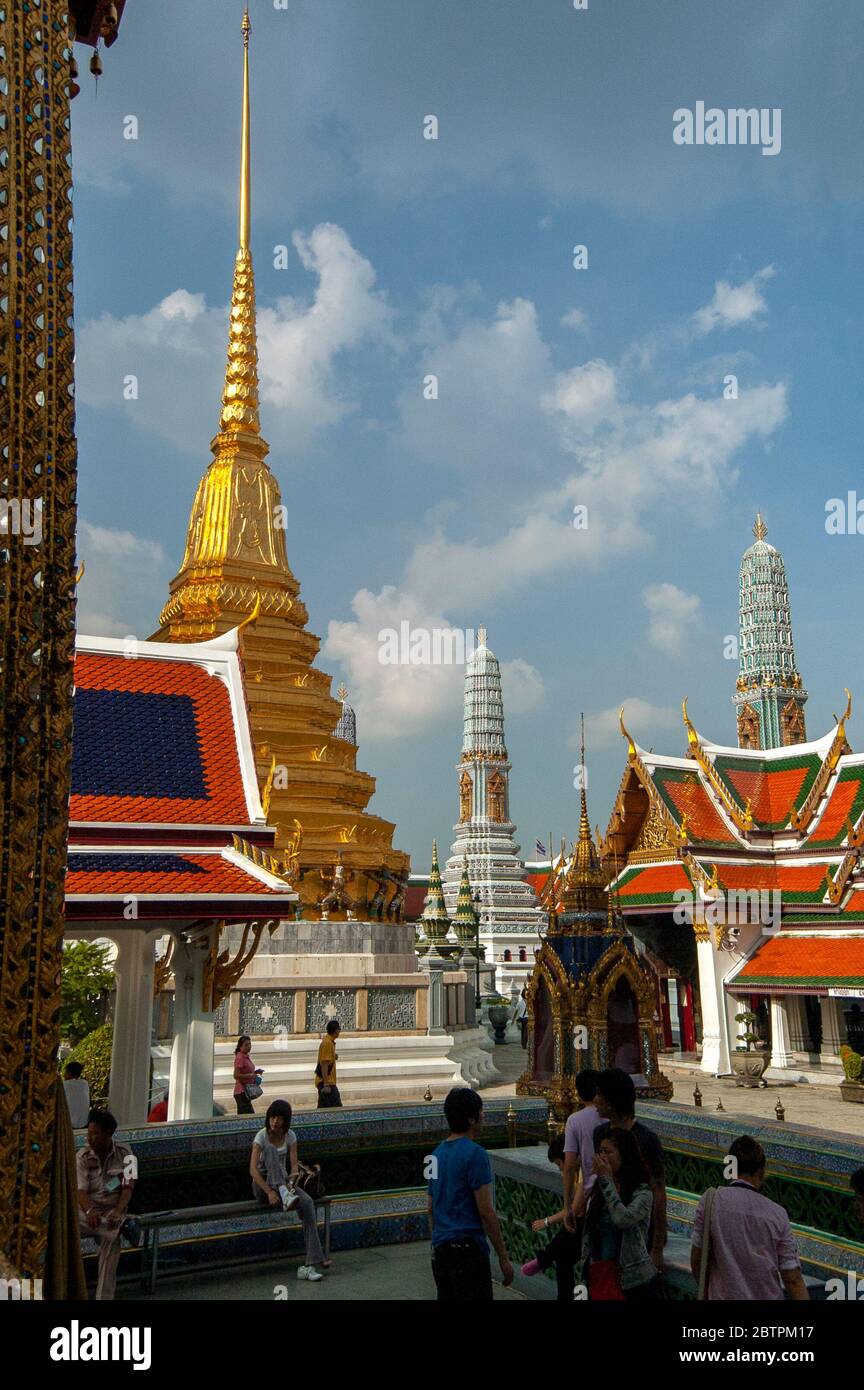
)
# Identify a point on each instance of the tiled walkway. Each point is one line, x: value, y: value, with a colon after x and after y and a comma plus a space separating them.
x: 384, y: 1273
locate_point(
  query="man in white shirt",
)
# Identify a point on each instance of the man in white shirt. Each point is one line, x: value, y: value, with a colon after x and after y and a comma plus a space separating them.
x: 77, y: 1095
x: 579, y: 1148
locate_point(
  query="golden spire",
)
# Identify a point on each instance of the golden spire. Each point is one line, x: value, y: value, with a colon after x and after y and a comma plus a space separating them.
x: 240, y: 396
x: 760, y: 530
x: 235, y: 564
x: 585, y: 849
x: 584, y: 888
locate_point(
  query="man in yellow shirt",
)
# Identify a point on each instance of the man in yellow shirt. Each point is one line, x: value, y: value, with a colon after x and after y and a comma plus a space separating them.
x: 325, y: 1072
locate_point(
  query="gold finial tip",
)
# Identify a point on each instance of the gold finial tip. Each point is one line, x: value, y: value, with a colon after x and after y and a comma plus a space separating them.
x: 760, y: 530
x: 246, y: 26
x: 481, y: 635
x: 342, y: 693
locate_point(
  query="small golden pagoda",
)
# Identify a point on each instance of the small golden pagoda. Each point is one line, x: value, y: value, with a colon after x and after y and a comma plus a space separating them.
x: 591, y: 1001
x: 234, y: 572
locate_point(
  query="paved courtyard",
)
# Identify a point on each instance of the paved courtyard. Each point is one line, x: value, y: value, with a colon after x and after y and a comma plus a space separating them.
x: 817, y: 1105
x: 386, y: 1272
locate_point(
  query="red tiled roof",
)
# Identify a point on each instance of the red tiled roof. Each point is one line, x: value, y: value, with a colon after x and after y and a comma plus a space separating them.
x: 806, y: 960
x: 538, y: 882
x: 189, y: 875
x: 158, y: 745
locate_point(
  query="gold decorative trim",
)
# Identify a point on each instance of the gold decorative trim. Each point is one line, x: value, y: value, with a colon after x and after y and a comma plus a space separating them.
x: 741, y: 817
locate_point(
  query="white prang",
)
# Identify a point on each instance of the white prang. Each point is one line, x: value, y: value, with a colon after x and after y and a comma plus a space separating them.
x: 510, y: 917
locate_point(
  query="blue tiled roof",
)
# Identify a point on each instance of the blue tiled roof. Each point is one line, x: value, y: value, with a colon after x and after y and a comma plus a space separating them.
x: 136, y: 743
x: 131, y: 864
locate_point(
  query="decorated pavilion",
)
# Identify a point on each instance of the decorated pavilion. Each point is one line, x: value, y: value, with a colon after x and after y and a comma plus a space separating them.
x: 168, y: 843
x: 592, y: 999
x: 753, y: 853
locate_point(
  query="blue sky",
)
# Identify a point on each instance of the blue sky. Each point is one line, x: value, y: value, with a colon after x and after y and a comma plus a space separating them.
x: 557, y: 387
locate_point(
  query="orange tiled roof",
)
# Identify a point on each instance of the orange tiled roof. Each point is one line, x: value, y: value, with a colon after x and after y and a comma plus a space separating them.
x: 153, y: 742
x: 846, y: 803
x: 789, y: 878
x: 807, y: 960
x: 654, y: 882
x: 689, y: 797
x: 772, y: 794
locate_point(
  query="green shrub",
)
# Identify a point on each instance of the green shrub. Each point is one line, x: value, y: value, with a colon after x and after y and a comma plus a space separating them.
x: 853, y: 1063
x: 94, y: 1054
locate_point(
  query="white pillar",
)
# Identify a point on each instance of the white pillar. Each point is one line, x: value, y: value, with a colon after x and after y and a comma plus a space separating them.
x: 831, y: 1029
x: 715, y: 1024
x: 190, y: 1088
x: 781, y: 1045
x: 129, y: 1090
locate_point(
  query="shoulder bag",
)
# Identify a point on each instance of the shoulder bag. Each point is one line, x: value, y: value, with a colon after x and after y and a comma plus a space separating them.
x: 704, y: 1261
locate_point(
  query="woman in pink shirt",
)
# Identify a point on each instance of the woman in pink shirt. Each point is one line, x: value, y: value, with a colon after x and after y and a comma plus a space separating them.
x: 245, y: 1074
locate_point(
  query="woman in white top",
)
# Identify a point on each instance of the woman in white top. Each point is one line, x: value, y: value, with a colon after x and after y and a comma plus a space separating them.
x: 274, y: 1169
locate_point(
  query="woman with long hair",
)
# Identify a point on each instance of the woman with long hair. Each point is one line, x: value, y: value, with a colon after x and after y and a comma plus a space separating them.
x: 274, y: 1169
x: 616, y: 1263
x: 245, y: 1074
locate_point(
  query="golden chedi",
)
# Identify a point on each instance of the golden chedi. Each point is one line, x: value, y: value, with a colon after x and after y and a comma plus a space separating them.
x: 235, y: 568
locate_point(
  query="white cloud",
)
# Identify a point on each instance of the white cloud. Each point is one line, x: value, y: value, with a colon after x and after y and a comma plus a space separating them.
x: 577, y: 319
x: 521, y: 687
x: 672, y: 613
x: 585, y: 396
x: 733, y: 304
x: 124, y: 574
x: 399, y: 700
x: 645, y: 723
x: 181, y: 340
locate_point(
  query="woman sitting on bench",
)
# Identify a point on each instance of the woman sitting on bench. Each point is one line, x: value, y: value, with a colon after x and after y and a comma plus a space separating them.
x: 274, y: 1170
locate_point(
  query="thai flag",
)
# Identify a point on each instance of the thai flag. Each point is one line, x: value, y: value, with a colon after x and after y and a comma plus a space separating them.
x: 541, y: 848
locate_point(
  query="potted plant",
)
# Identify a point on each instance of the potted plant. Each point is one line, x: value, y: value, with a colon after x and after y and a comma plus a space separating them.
x: 852, y: 1088
x: 749, y: 1060
x: 498, y: 1013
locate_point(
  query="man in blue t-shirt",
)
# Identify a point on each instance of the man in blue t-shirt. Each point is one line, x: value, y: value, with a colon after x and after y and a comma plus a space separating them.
x: 461, y: 1213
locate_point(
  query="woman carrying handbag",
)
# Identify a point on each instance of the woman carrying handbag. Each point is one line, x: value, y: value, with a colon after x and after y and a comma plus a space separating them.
x: 616, y: 1263
x: 247, y: 1077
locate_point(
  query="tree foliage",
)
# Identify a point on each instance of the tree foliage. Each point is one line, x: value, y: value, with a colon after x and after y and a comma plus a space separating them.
x: 94, y: 1054
x: 85, y: 980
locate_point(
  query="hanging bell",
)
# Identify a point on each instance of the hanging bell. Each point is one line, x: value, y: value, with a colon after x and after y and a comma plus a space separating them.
x: 96, y: 64
x: 109, y: 22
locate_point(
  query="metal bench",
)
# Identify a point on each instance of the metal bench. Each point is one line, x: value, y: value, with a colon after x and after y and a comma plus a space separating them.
x: 153, y: 1222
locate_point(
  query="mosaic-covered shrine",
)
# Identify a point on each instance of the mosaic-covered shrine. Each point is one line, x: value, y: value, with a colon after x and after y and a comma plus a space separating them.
x: 592, y: 1001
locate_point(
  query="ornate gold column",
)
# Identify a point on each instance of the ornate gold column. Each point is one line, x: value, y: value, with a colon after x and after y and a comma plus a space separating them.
x: 37, y: 606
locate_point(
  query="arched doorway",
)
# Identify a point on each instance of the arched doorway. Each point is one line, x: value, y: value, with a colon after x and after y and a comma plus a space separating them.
x: 622, y: 1024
